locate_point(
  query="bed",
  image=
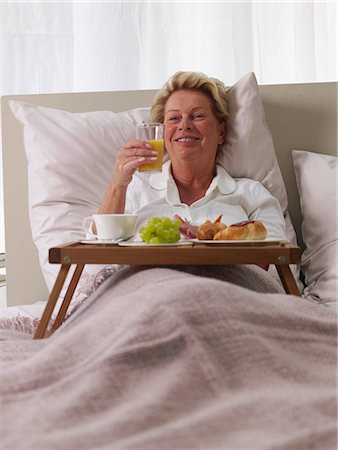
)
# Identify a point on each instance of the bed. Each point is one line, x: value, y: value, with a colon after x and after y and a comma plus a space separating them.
x: 223, y: 358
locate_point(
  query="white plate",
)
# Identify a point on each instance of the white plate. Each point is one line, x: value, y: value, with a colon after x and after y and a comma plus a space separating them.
x: 135, y: 243
x: 237, y: 241
x: 100, y: 241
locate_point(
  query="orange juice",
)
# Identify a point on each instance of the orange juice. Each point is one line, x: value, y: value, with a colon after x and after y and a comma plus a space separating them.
x: 157, y: 146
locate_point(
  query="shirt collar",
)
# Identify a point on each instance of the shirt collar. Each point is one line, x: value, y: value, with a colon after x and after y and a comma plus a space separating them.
x: 223, y: 181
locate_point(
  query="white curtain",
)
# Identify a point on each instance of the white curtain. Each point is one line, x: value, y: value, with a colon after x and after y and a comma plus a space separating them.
x: 70, y: 46
x: 85, y: 46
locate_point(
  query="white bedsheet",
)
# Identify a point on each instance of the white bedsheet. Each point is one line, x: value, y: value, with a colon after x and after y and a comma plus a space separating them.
x: 33, y: 311
x: 22, y: 318
x: 25, y: 318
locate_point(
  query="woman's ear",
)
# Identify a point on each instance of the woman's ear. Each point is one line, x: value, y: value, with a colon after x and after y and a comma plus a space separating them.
x: 221, y: 133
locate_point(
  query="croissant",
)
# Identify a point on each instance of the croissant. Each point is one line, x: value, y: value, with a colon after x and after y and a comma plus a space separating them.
x: 208, y: 230
x: 247, y: 230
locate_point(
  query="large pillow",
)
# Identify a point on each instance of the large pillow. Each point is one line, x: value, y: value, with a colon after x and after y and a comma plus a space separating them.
x: 316, y: 176
x: 70, y: 161
x: 248, y: 150
x: 71, y: 157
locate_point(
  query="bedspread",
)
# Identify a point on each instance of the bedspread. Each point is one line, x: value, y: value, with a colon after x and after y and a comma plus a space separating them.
x: 162, y: 358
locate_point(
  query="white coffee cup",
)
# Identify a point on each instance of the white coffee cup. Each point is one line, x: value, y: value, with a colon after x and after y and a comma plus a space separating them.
x: 110, y: 226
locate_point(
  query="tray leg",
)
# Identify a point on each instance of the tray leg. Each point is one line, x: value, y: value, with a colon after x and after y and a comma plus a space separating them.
x: 54, y: 295
x: 68, y: 297
x: 288, y: 280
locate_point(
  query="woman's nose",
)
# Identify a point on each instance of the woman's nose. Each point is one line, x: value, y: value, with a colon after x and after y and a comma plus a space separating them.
x: 185, y: 123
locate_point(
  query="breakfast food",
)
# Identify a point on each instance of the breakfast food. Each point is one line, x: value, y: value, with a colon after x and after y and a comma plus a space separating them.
x: 160, y: 230
x: 218, y: 231
x: 209, y: 229
x: 247, y: 230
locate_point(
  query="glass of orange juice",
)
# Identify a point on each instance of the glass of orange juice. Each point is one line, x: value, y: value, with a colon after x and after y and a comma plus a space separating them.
x: 153, y: 134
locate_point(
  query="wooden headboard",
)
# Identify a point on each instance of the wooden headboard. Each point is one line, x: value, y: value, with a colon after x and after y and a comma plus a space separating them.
x: 300, y: 116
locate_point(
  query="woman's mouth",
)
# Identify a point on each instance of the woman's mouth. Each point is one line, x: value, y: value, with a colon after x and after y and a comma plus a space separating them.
x: 187, y: 139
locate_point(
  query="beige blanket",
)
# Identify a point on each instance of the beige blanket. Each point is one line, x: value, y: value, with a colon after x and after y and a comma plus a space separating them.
x: 176, y: 359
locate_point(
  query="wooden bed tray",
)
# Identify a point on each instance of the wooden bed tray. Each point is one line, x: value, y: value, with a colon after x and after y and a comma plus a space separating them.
x: 281, y: 255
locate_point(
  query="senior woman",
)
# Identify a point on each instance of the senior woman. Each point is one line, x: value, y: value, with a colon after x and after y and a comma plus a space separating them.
x: 193, y: 108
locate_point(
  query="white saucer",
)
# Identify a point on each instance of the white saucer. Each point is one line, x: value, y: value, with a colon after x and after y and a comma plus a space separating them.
x: 101, y: 241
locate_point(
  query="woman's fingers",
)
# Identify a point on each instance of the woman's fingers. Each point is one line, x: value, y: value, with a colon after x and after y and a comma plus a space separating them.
x: 130, y: 157
x: 136, y: 149
x: 137, y: 143
x: 130, y: 166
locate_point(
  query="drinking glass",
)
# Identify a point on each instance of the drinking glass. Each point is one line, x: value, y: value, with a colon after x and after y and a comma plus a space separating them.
x: 153, y: 134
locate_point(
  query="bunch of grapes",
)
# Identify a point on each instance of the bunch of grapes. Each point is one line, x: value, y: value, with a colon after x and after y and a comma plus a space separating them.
x: 160, y: 230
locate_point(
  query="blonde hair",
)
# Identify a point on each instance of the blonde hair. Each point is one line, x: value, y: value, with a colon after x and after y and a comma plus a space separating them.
x: 212, y: 87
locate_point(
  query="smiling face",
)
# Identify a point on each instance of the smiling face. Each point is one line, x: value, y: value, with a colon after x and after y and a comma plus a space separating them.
x: 191, y: 129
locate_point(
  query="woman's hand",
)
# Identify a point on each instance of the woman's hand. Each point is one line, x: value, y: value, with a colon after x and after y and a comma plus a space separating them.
x: 129, y: 158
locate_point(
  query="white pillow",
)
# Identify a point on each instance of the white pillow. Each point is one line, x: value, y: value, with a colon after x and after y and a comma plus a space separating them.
x: 70, y: 161
x: 316, y: 176
x: 71, y: 157
x: 248, y: 150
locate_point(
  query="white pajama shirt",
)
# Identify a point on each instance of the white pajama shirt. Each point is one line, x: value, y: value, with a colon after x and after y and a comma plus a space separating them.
x: 238, y: 199
x: 156, y: 195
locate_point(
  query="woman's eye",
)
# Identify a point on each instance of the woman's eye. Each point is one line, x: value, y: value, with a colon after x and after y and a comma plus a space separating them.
x: 173, y: 119
x: 198, y: 115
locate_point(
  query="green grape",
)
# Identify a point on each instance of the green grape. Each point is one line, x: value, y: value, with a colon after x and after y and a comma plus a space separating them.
x: 173, y: 235
x: 160, y: 230
x: 165, y: 235
x: 151, y: 227
x: 154, y: 220
x: 166, y: 222
x: 177, y: 223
